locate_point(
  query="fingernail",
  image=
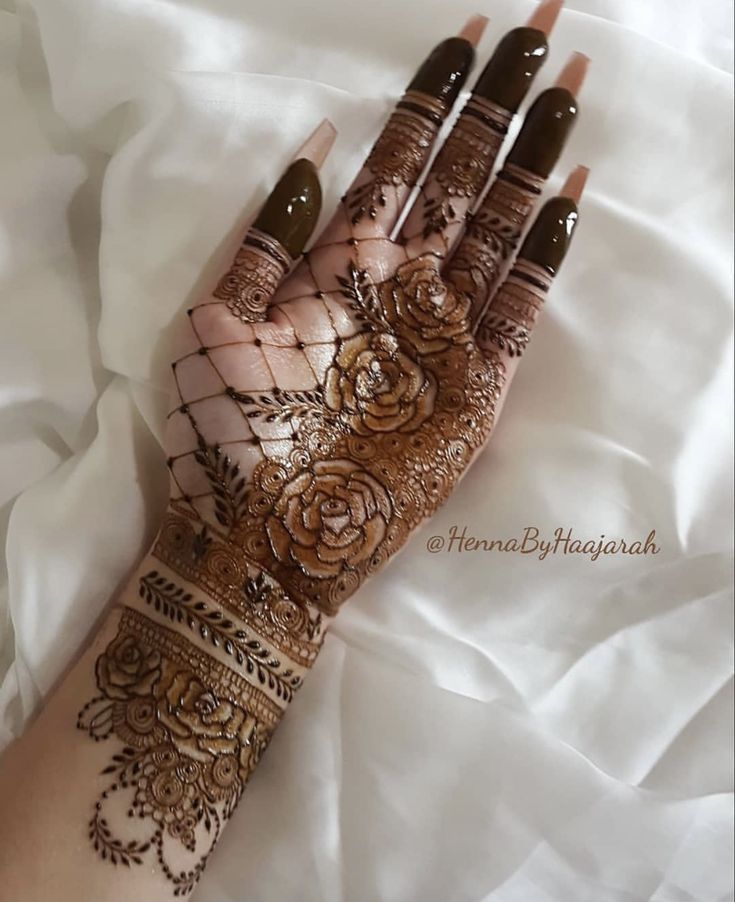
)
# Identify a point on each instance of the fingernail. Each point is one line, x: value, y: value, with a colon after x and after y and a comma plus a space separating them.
x: 545, y: 15
x: 444, y: 72
x: 474, y: 29
x: 551, y: 234
x: 574, y: 185
x: 511, y: 69
x: 573, y: 74
x: 292, y: 209
x: 544, y: 131
x: 318, y: 144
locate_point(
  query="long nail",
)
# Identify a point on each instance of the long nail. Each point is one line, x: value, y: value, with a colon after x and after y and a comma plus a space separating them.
x: 318, y: 144
x: 551, y: 234
x: 574, y: 185
x: 573, y: 74
x: 548, y: 123
x: 545, y: 15
x: 474, y: 29
x: 444, y: 72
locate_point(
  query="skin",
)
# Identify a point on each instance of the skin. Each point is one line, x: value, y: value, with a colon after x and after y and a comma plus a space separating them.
x: 318, y: 336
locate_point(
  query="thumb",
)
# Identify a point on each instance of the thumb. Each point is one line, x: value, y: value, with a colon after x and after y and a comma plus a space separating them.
x: 279, y: 234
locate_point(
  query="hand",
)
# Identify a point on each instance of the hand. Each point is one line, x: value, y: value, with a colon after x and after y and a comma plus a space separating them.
x: 323, y: 410
x: 321, y: 417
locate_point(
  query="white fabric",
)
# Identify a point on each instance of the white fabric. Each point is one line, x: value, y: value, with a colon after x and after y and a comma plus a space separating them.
x: 479, y: 726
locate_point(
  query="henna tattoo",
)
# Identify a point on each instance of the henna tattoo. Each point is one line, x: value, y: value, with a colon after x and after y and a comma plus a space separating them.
x: 260, y: 264
x: 398, y: 155
x: 493, y: 233
x: 508, y: 322
x: 312, y: 492
x: 229, y: 487
x: 463, y: 164
x: 191, y: 733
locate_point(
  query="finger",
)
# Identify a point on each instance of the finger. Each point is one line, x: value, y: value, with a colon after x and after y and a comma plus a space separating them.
x: 463, y: 165
x: 278, y: 235
x: 374, y: 201
x: 505, y: 328
x: 495, y: 229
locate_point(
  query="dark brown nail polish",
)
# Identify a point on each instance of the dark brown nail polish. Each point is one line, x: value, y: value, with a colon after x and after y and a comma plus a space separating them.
x: 544, y: 132
x: 445, y: 70
x: 506, y: 78
x: 292, y: 209
x: 551, y: 234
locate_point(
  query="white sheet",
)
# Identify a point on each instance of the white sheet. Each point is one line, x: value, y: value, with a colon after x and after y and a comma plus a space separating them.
x: 479, y: 727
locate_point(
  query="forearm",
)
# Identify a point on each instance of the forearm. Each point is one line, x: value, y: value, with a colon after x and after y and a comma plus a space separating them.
x: 144, y: 750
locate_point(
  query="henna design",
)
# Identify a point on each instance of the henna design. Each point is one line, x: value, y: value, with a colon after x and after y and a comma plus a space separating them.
x: 260, y: 264
x: 267, y: 533
x: 508, y: 322
x: 191, y: 734
x: 493, y: 233
x: 229, y: 487
x: 463, y: 164
x: 360, y: 291
x: 398, y: 155
x: 375, y: 387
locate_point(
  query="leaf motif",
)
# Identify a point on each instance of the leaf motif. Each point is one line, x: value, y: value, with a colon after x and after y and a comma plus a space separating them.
x: 227, y: 483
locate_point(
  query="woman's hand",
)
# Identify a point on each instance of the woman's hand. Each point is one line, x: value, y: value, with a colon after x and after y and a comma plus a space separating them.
x: 323, y: 409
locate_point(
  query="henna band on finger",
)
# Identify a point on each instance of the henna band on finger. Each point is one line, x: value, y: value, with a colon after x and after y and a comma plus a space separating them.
x: 512, y: 315
x: 400, y: 153
x: 256, y: 272
x: 465, y: 161
x: 495, y: 230
x: 278, y: 235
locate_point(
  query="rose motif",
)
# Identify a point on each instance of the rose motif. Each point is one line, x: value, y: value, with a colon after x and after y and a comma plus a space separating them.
x: 427, y: 312
x: 202, y: 725
x: 330, y: 519
x: 376, y: 387
x: 128, y: 668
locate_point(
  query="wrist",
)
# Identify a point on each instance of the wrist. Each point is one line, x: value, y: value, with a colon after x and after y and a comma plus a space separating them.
x: 207, y: 653
x: 206, y: 589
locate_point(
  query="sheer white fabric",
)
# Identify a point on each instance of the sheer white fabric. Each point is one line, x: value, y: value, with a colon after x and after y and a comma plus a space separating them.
x: 480, y: 726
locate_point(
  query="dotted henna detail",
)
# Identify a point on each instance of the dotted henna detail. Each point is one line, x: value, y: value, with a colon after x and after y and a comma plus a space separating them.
x: 398, y: 156
x: 463, y: 165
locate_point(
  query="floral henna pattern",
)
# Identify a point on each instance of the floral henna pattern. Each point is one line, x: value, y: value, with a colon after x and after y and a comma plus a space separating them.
x: 429, y: 314
x: 247, y: 575
x: 463, y: 164
x: 329, y: 520
x: 259, y: 266
x: 375, y: 387
x: 398, y: 156
x: 188, y: 741
x: 493, y: 233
